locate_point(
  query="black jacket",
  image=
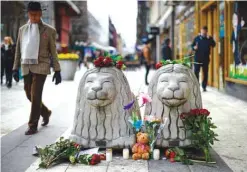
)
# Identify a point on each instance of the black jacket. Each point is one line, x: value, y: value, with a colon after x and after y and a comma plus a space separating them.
x: 8, y: 54
x: 166, y: 52
x: 203, y: 51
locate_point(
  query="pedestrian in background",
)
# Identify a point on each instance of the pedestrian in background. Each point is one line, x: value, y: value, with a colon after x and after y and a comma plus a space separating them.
x: 147, y: 59
x: 35, y: 46
x: 166, y: 50
x: 8, y: 53
x: 202, y: 45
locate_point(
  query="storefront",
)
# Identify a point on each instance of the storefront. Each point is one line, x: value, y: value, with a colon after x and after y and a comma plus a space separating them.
x: 228, y: 69
x: 236, y: 48
x: 185, y: 28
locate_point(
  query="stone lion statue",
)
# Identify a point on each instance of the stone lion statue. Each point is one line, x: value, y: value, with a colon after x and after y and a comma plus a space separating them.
x: 174, y: 89
x: 100, y: 119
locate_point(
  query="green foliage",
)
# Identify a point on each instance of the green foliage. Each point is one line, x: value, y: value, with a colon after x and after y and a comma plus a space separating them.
x: 58, y: 152
x: 202, y: 134
x: 180, y: 156
x: 185, y: 61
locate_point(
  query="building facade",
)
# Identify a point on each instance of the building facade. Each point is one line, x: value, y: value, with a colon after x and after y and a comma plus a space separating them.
x: 12, y: 17
x: 227, y: 69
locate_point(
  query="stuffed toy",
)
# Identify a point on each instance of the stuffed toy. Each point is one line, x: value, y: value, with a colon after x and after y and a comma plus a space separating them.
x: 141, y: 149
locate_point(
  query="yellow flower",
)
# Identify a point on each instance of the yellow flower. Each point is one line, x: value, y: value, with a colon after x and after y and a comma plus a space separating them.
x: 68, y: 56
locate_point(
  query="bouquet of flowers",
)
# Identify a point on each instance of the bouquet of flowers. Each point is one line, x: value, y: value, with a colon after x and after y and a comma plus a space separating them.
x: 153, y: 128
x: 199, y: 123
x: 58, y: 152
x: 89, y: 159
x: 135, y: 119
x: 152, y: 124
x: 108, y: 61
x: 177, y: 155
x: 66, y: 150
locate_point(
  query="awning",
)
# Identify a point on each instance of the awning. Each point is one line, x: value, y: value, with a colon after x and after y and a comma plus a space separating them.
x: 164, y: 17
x: 73, y: 6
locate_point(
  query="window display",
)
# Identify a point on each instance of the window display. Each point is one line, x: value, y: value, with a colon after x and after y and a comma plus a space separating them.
x: 238, y: 68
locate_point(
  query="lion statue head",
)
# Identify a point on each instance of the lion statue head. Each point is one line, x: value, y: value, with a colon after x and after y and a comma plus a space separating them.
x: 174, y: 89
x: 100, y: 119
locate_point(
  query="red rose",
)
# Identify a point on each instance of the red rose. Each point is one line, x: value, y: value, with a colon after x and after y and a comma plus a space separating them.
x: 204, y: 112
x: 172, y: 160
x: 107, y: 61
x: 167, y: 153
x: 158, y: 65
x: 183, y: 115
x: 195, y: 111
x: 172, y: 154
x: 102, y: 157
x: 95, y: 159
x: 76, y: 145
x: 101, y: 58
x: 119, y: 64
x: 99, y: 62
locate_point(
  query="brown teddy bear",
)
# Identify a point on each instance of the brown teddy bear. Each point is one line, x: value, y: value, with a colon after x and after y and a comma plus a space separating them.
x: 141, y: 149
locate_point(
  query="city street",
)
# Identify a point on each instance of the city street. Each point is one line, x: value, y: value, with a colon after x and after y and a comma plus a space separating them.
x: 227, y: 112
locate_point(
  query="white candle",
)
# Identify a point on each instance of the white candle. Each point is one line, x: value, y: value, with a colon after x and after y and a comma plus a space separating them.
x: 109, y: 155
x: 156, y: 154
x: 125, y: 153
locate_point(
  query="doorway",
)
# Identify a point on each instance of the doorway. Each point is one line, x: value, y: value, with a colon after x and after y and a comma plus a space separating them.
x: 210, y: 19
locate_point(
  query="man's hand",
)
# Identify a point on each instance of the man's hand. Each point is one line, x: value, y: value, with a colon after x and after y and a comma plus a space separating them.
x: 196, y: 46
x: 57, y: 77
x: 16, y: 75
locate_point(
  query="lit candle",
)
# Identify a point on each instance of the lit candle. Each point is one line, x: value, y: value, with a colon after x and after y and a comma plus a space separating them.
x: 126, y: 153
x: 108, y: 155
x: 156, y: 154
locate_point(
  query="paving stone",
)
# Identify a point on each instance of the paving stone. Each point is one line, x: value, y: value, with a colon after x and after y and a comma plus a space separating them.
x: 87, y: 168
x: 166, y: 166
x: 58, y: 168
x: 121, y: 165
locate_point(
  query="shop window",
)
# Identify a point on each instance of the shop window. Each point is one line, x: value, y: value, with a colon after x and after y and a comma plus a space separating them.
x: 238, y: 68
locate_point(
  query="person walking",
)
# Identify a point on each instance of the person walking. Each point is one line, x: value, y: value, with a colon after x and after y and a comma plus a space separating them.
x: 202, y: 45
x: 8, y: 53
x: 36, y: 44
x: 166, y: 50
x: 147, y: 60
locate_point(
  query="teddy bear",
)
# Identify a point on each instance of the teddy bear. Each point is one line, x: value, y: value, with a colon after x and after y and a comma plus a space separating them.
x: 141, y: 149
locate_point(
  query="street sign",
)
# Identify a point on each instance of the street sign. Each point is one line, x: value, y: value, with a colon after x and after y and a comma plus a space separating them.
x: 155, y: 30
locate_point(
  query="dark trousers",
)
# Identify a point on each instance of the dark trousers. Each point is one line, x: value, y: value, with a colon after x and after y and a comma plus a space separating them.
x: 33, y: 86
x: 147, y: 72
x: 6, y: 68
x: 197, y: 68
x: 2, y: 69
x: 9, y: 67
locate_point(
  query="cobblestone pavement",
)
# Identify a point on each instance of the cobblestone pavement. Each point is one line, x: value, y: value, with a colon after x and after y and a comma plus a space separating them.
x: 229, y: 114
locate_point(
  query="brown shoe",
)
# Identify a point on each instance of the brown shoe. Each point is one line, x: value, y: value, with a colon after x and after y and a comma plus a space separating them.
x: 46, y: 120
x: 31, y: 131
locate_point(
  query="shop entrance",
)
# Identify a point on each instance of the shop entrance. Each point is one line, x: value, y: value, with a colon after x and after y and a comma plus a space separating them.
x: 210, y: 19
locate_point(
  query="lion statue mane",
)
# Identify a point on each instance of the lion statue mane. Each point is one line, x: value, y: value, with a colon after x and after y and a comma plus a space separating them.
x: 100, y: 119
x: 174, y: 89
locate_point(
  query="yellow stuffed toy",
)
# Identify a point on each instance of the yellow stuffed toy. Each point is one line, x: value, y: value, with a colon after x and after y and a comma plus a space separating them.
x: 141, y: 149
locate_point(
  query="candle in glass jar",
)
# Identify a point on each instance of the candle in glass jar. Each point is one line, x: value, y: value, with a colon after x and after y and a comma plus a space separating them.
x: 125, y: 153
x: 108, y: 155
x: 156, y: 154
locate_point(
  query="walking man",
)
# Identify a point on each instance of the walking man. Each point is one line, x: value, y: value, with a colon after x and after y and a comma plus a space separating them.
x: 36, y: 44
x: 148, y: 60
x: 166, y: 50
x: 201, y: 45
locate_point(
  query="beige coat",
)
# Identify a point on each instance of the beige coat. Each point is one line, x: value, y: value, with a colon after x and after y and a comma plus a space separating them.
x: 47, y: 51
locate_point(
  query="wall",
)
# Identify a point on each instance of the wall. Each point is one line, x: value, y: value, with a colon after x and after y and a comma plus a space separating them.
x: 79, y: 24
x: 12, y: 17
x: 236, y: 90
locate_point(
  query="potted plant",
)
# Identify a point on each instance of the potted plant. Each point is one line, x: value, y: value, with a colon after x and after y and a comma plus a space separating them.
x: 68, y: 63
